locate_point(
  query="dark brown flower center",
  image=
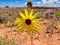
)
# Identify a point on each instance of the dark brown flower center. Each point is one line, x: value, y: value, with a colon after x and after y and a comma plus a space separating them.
x: 28, y: 21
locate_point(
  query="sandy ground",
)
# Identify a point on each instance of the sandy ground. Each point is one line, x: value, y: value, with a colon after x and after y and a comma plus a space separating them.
x: 39, y: 39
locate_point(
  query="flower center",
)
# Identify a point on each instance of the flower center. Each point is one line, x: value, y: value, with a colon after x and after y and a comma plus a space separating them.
x: 28, y: 21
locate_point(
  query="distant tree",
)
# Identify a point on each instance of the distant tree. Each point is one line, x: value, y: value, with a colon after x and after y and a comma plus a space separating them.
x: 7, y: 6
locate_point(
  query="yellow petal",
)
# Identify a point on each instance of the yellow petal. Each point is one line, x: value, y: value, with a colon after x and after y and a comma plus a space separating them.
x: 26, y: 13
x: 35, y: 15
x: 36, y: 20
x: 20, y: 28
x: 17, y: 20
x: 36, y: 26
x: 31, y: 13
x: 23, y: 27
x: 22, y: 15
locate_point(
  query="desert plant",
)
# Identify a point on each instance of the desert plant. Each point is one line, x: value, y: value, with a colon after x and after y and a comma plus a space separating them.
x: 47, y: 16
x: 1, y: 19
x: 57, y: 13
x: 28, y: 22
x: 54, y: 23
x: 4, y: 41
x: 52, y: 26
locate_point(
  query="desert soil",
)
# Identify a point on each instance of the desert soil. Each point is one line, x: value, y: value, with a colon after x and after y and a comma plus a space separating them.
x: 39, y: 39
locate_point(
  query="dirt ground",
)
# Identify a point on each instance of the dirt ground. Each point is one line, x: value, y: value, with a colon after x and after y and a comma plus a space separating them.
x: 39, y: 39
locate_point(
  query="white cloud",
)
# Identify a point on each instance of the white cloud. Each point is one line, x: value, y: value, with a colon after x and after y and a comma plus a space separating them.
x: 49, y: 1
x: 38, y: 2
x: 44, y: 1
x: 25, y: 4
x: 52, y: 1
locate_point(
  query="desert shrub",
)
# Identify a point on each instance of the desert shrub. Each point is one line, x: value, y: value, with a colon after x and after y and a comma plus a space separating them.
x: 51, y: 17
x: 57, y: 13
x: 47, y: 16
x: 9, y: 23
x: 5, y: 22
x: 4, y: 41
x: 1, y: 20
x: 54, y: 23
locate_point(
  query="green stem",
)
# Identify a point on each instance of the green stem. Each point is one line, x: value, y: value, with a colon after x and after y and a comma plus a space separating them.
x: 31, y: 38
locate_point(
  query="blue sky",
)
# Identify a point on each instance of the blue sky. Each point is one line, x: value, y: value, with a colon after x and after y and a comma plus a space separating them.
x: 19, y: 3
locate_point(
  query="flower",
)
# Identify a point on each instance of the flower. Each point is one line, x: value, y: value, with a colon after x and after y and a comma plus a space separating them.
x: 27, y: 21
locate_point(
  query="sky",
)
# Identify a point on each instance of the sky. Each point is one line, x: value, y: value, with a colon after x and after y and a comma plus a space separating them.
x: 22, y: 3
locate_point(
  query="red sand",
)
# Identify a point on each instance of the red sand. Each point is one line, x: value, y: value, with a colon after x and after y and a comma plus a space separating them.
x: 24, y: 38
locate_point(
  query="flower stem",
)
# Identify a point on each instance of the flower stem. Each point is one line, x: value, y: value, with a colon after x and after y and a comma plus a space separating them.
x: 31, y: 38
